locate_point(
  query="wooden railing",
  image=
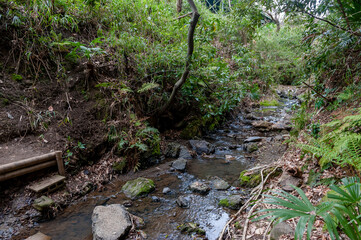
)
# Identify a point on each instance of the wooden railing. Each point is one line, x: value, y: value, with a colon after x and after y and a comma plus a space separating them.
x: 15, y: 169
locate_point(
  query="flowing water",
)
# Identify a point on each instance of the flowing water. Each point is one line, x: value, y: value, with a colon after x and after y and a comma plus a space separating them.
x: 163, y: 215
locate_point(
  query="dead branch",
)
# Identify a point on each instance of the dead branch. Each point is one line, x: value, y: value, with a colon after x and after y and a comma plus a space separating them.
x: 185, y: 15
x: 255, y: 193
x: 181, y: 81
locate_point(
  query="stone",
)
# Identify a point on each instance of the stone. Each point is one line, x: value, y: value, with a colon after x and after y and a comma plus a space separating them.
x: 287, y: 180
x: 184, y: 153
x: 180, y: 164
x: 199, y: 187
x: 232, y: 202
x: 281, y: 229
x: 138, y: 187
x: 220, y: 184
x: 172, y: 150
x: 252, y: 177
x: 253, y: 139
x: 43, y: 203
x: 281, y: 126
x: 202, y: 146
x: 155, y: 199
x: 166, y: 190
x: 262, y: 124
x: 183, y: 201
x: 39, y: 236
x: 137, y: 221
x: 251, y: 147
x: 110, y: 222
x: 191, y: 227
x: 230, y: 158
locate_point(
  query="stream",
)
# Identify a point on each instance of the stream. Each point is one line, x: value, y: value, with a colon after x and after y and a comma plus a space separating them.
x: 160, y: 212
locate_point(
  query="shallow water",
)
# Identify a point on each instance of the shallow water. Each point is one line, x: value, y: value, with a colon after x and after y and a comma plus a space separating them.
x: 163, y: 217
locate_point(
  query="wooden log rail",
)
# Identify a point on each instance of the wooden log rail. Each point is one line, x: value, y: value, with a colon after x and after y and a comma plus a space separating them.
x: 15, y: 169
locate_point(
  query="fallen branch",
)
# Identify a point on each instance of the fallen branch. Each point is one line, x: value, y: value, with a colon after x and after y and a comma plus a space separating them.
x: 256, y: 192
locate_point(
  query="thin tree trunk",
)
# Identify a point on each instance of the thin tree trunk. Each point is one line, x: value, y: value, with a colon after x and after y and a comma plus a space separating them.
x: 179, y: 5
x: 181, y: 81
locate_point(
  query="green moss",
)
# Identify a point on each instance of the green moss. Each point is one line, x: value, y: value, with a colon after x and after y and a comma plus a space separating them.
x: 252, y: 179
x: 16, y: 77
x: 138, y: 187
x: 237, y: 225
x: 119, y: 166
x: 267, y: 103
x: 192, y: 130
x: 191, y: 228
x: 5, y: 101
x: 223, y: 202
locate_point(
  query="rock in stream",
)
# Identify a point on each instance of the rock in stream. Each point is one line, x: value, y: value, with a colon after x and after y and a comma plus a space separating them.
x: 110, y: 222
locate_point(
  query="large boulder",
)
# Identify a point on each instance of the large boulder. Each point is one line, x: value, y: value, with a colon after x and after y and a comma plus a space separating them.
x: 202, y: 146
x: 110, y: 222
x: 138, y: 187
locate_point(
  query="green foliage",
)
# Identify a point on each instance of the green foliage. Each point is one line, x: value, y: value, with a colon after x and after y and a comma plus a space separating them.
x: 135, y: 141
x: 281, y: 53
x: 342, y: 210
x: 300, y: 119
x: 339, y: 142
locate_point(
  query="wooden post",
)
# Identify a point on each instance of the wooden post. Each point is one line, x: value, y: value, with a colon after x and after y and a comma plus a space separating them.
x: 60, y: 162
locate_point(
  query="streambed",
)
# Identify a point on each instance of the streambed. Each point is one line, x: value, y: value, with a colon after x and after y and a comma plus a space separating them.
x: 160, y: 212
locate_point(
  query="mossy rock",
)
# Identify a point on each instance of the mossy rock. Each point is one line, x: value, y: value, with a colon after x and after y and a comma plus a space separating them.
x: 252, y: 178
x: 269, y: 103
x: 191, y: 228
x: 119, y: 166
x: 223, y: 202
x: 138, y: 187
x: 192, y: 130
x: 43, y: 203
x: 233, y: 202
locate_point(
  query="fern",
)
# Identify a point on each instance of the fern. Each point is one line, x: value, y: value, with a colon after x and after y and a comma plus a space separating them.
x: 340, y: 143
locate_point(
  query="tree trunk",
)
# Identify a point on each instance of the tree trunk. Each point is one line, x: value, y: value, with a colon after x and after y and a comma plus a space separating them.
x: 181, y: 81
x: 179, y: 5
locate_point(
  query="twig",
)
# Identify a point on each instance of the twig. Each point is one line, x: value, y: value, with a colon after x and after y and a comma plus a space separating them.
x: 267, y: 229
x: 333, y: 24
x: 67, y: 100
x: 319, y: 94
x: 185, y: 15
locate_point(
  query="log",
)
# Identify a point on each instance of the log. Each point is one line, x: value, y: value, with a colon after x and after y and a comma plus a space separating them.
x: 24, y: 171
x: 27, y: 162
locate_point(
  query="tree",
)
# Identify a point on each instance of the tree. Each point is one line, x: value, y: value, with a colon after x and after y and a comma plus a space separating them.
x: 182, y: 80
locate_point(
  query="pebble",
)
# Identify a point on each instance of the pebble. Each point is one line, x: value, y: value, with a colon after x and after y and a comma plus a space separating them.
x: 166, y: 190
x: 155, y: 199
